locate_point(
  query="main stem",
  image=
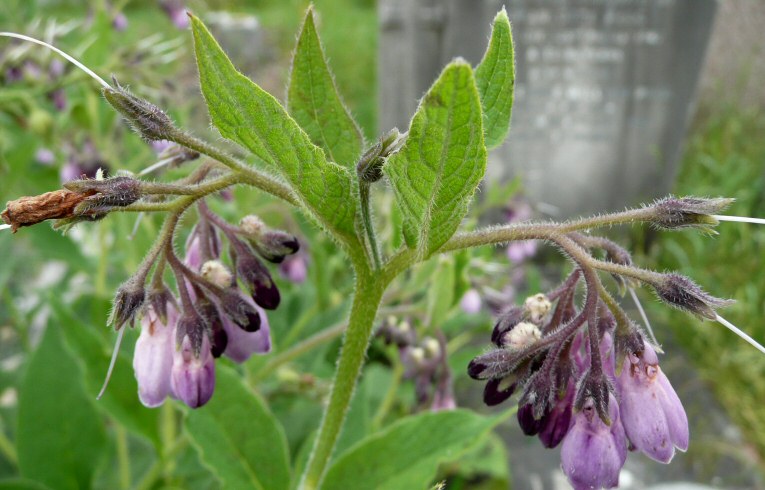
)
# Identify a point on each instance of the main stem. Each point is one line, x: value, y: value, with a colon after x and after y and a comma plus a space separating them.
x: 366, y: 301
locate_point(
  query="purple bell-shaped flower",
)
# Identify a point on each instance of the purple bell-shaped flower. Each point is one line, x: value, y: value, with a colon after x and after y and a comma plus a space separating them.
x: 592, y: 453
x: 153, y: 357
x: 652, y: 414
x: 241, y: 344
x: 193, y: 375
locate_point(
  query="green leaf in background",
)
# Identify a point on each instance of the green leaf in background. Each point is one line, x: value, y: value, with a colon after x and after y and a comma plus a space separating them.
x: 442, y: 162
x: 22, y: 484
x: 441, y: 293
x: 313, y: 101
x: 121, y: 397
x: 407, y: 454
x: 239, y: 438
x: 495, y: 78
x: 245, y: 113
x: 60, y: 434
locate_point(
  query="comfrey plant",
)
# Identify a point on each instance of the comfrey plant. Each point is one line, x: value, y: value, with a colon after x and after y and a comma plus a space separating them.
x: 587, y: 377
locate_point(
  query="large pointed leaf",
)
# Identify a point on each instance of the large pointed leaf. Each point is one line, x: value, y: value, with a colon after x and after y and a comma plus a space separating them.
x: 245, y: 113
x: 60, y: 434
x: 442, y: 162
x: 313, y: 101
x: 239, y: 438
x: 495, y: 78
x: 407, y: 454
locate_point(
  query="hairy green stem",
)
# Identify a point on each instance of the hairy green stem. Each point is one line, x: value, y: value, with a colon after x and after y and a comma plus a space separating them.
x: 253, y: 176
x: 366, y: 218
x: 369, y: 291
x: 123, y: 456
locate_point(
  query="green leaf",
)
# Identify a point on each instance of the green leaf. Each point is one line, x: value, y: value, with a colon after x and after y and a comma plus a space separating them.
x: 239, y: 438
x: 245, y: 113
x: 60, y: 434
x: 313, y: 101
x: 407, y: 454
x: 439, y: 167
x: 495, y: 78
x: 21, y: 484
x: 121, y: 398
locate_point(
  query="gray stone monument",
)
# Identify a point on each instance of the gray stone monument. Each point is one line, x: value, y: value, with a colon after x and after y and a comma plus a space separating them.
x: 604, y: 88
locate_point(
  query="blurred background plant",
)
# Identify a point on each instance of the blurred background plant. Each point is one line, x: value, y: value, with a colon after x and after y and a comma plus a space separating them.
x: 54, y: 124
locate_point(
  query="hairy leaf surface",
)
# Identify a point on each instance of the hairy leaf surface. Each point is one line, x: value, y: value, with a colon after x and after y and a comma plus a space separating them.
x: 245, y: 113
x: 442, y: 162
x: 314, y: 102
x: 495, y: 78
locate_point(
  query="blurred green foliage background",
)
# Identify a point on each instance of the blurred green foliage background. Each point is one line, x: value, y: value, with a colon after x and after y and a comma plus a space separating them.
x: 49, y: 376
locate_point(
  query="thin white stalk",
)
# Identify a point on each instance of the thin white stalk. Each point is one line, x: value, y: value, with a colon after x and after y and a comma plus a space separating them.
x: 112, y: 362
x: 138, y: 220
x: 739, y: 219
x: 68, y: 57
x: 155, y: 166
x: 740, y: 333
x: 4, y: 227
x: 643, y: 315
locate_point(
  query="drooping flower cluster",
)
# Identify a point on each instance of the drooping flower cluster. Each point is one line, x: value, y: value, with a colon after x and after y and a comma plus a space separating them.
x: 425, y: 363
x: 572, y: 395
x: 180, y: 338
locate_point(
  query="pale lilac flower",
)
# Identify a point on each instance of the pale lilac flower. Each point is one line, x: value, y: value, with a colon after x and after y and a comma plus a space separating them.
x: 653, y: 416
x: 193, y: 375
x: 241, y: 344
x: 521, y: 250
x: 592, y: 454
x: 153, y: 357
x: 443, y: 396
x: 177, y: 13
x: 119, y: 22
x: 71, y: 171
x: 45, y: 156
x: 471, y: 302
x: 294, y: 268
x: 193, y: 258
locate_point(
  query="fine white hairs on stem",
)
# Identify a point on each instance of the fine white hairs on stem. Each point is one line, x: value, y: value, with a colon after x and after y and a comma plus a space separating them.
x: 647, y: 324
x: 112, y: 362
x: 156, y: 166
x: 68, y: 57
x: 739, y: 219
x: 4, y: 227
x: 740, y: 333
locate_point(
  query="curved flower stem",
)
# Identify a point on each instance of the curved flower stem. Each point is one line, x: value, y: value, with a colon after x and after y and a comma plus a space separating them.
x: 369, y: 291
x: 366, y: 218
x: 251, y: 175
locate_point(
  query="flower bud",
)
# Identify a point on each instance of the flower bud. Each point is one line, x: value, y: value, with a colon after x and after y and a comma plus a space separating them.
x: 107, y: 193
x: 193, y: 373
x: 498, y: 390
x: 146, y: 119
x: 275, y: 245
x: 506, y: 322
x: 216, y: 273
x: 431, y: 347
x: 674, y: 213
x: 523, y: 335
x: 241, y: 310
x: 258, y: 280
x: 684, y: 294
x: 369, y: 168
x: 127, y: 302
x: 537, y: 306
x: 252, y: 226
x: 243, y: 344
x: 153, y: 357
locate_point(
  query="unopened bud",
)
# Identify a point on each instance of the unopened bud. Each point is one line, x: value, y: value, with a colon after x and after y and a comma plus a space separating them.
x: 538, y: 306
x: 240, y: 310
x: 258, y: 280
x: 417, y: 355
x: 523, y: 335
x: 127, y: 302
x: 684, y: 294
x: 369, y: 168
x: 275, y: 245
x: 105, y: 194
x: 146, y: 119
x: 506, y: 322
x: 216, y: 273
x: 674, y: 213
x: 252, y: 226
